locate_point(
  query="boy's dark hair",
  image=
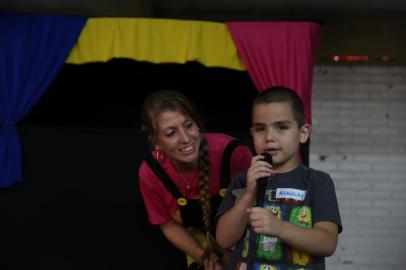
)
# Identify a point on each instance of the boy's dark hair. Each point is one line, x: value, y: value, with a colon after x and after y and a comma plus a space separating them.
x: 283, y: 94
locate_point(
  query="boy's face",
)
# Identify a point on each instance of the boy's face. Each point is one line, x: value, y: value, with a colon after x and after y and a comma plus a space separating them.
x: 275, y: 130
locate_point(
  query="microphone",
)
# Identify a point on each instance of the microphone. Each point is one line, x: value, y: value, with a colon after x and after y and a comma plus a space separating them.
x: 262, y: 183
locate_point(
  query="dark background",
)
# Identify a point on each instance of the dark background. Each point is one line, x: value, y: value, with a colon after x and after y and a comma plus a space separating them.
x: 78, y: 206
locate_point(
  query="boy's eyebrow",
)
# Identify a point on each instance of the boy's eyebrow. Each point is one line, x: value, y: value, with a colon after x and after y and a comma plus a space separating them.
x: 282, y: 122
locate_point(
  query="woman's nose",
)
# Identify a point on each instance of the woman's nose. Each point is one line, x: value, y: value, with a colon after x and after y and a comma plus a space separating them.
x: 184, y: 136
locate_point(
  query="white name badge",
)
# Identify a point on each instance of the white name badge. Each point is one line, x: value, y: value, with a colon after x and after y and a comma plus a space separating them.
x: 290, y: 193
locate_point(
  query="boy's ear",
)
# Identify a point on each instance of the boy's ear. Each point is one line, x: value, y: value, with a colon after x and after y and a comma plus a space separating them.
x: 304, y: 133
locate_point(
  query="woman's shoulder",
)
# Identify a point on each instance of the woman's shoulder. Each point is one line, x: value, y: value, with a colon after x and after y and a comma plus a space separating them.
x: 217, y: 142
x: 219, y: 138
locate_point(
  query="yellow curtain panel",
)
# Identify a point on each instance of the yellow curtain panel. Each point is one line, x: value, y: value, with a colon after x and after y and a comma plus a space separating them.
x: 156, y: 41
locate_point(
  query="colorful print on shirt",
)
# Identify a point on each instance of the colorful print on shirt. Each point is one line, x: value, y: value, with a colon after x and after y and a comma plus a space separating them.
x: 286, y: 204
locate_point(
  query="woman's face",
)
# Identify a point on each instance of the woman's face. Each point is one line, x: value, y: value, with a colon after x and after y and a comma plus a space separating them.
x: 179, y: 137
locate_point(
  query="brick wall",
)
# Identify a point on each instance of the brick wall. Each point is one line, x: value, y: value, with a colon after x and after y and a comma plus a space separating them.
x: 358, y: 137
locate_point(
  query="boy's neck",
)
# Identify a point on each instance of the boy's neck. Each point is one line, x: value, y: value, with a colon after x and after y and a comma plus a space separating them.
x: 284, y: 168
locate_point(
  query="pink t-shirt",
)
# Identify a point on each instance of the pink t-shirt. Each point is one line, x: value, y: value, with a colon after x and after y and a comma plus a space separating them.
x: 161, y: 205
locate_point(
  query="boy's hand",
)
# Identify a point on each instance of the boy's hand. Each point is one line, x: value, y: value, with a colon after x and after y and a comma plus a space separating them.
x: 264, y: 222
x: 258, y: 169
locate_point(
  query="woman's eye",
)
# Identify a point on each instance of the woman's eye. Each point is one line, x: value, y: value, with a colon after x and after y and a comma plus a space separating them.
x: 189, y: 125
x: 170, y: 133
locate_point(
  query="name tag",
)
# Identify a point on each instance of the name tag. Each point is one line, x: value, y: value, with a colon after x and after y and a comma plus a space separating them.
x: 290, y: 193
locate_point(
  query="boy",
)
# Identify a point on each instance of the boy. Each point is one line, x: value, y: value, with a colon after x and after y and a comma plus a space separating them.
x: 298, y: 221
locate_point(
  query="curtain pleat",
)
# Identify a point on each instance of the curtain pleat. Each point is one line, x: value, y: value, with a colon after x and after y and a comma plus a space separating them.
x: 33, y: 48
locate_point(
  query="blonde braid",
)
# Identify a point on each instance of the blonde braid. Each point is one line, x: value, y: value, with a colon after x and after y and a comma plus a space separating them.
x: 204, y: 177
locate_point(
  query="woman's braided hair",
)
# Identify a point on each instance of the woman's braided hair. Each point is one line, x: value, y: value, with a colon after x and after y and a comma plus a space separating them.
x: 204, y: 177
x: 167, y: 100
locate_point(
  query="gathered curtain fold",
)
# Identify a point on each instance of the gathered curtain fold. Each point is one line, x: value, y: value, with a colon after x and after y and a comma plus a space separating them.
x: 33, y: 48
x: 156, y: 41
x: 279, y: 54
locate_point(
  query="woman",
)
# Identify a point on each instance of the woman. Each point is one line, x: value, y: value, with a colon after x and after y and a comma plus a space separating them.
x: 185, y: 177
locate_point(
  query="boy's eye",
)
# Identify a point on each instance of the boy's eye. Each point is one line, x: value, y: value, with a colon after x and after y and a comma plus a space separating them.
x: 259, y: 129
x: 283, y: 127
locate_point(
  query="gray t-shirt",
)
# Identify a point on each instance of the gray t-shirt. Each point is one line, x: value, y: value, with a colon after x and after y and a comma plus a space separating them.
x: 303, y: 197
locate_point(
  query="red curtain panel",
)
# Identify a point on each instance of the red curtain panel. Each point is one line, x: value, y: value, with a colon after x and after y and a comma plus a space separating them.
x: 279, y: 53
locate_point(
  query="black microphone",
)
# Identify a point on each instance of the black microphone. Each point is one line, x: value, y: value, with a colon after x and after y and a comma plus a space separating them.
x: 262, y: 182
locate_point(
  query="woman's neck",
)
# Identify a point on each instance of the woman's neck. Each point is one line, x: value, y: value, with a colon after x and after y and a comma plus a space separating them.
x: 183, y: 167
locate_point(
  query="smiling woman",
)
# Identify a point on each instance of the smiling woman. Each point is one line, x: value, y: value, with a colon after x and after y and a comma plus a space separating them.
x: 186, y: 167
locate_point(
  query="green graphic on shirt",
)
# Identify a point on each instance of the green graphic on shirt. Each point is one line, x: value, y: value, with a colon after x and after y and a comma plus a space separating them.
x: 301, y: 216
x: 269, y: 248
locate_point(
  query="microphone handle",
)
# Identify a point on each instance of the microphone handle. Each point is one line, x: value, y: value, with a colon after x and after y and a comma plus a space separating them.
x: 261, y: 189
x: 262, y: 183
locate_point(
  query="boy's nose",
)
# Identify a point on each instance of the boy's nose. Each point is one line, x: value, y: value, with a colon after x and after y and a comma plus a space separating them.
x: 270, y: 135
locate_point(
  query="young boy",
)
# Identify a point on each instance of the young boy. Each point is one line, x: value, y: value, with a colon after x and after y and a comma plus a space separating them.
x: 298, y: 221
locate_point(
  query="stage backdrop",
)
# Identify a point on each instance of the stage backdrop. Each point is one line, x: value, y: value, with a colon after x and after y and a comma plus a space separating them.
x: 283, y: 48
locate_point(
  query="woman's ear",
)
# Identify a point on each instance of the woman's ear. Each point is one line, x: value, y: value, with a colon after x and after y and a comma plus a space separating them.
x: 157, y: 147
x: 304, y: 133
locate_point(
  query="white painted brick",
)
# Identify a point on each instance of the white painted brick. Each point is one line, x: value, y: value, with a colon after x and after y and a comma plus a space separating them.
x: 396, y: 70
x: 385, y: 78
x: 341, y: 266
x: 397, y: 176
x: 399, y: 224
x: 374, y: 213
x: 355, y: 166
x: 359, y: 139
x: 340, y: 176
x: 354, y: 130
x: 370, y: 176
x: 370, y: 70
x: 378, y: 149
x: 356, y: 203
x: 389, y: 204
x: 389, y: 185
x: 355, y: 259
x: 397, y: 167
x: 372, y: 87
x: 348, y: 149
x: 374, y: 194
x: 398, y: 213
x: 324, y: 166
x: 370, y: 158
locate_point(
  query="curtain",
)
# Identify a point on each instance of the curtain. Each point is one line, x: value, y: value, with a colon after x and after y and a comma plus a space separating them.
x: 156, y: 41
x: 280, y: 53
x: 33, y: 48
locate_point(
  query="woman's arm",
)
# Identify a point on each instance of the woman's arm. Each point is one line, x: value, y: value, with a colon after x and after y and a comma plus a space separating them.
x: 180, y: 237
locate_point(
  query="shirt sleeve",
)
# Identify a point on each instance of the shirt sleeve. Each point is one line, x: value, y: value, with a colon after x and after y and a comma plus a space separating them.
x: 324, y: 200
x: 235, y: 189
x: 151, y: 191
